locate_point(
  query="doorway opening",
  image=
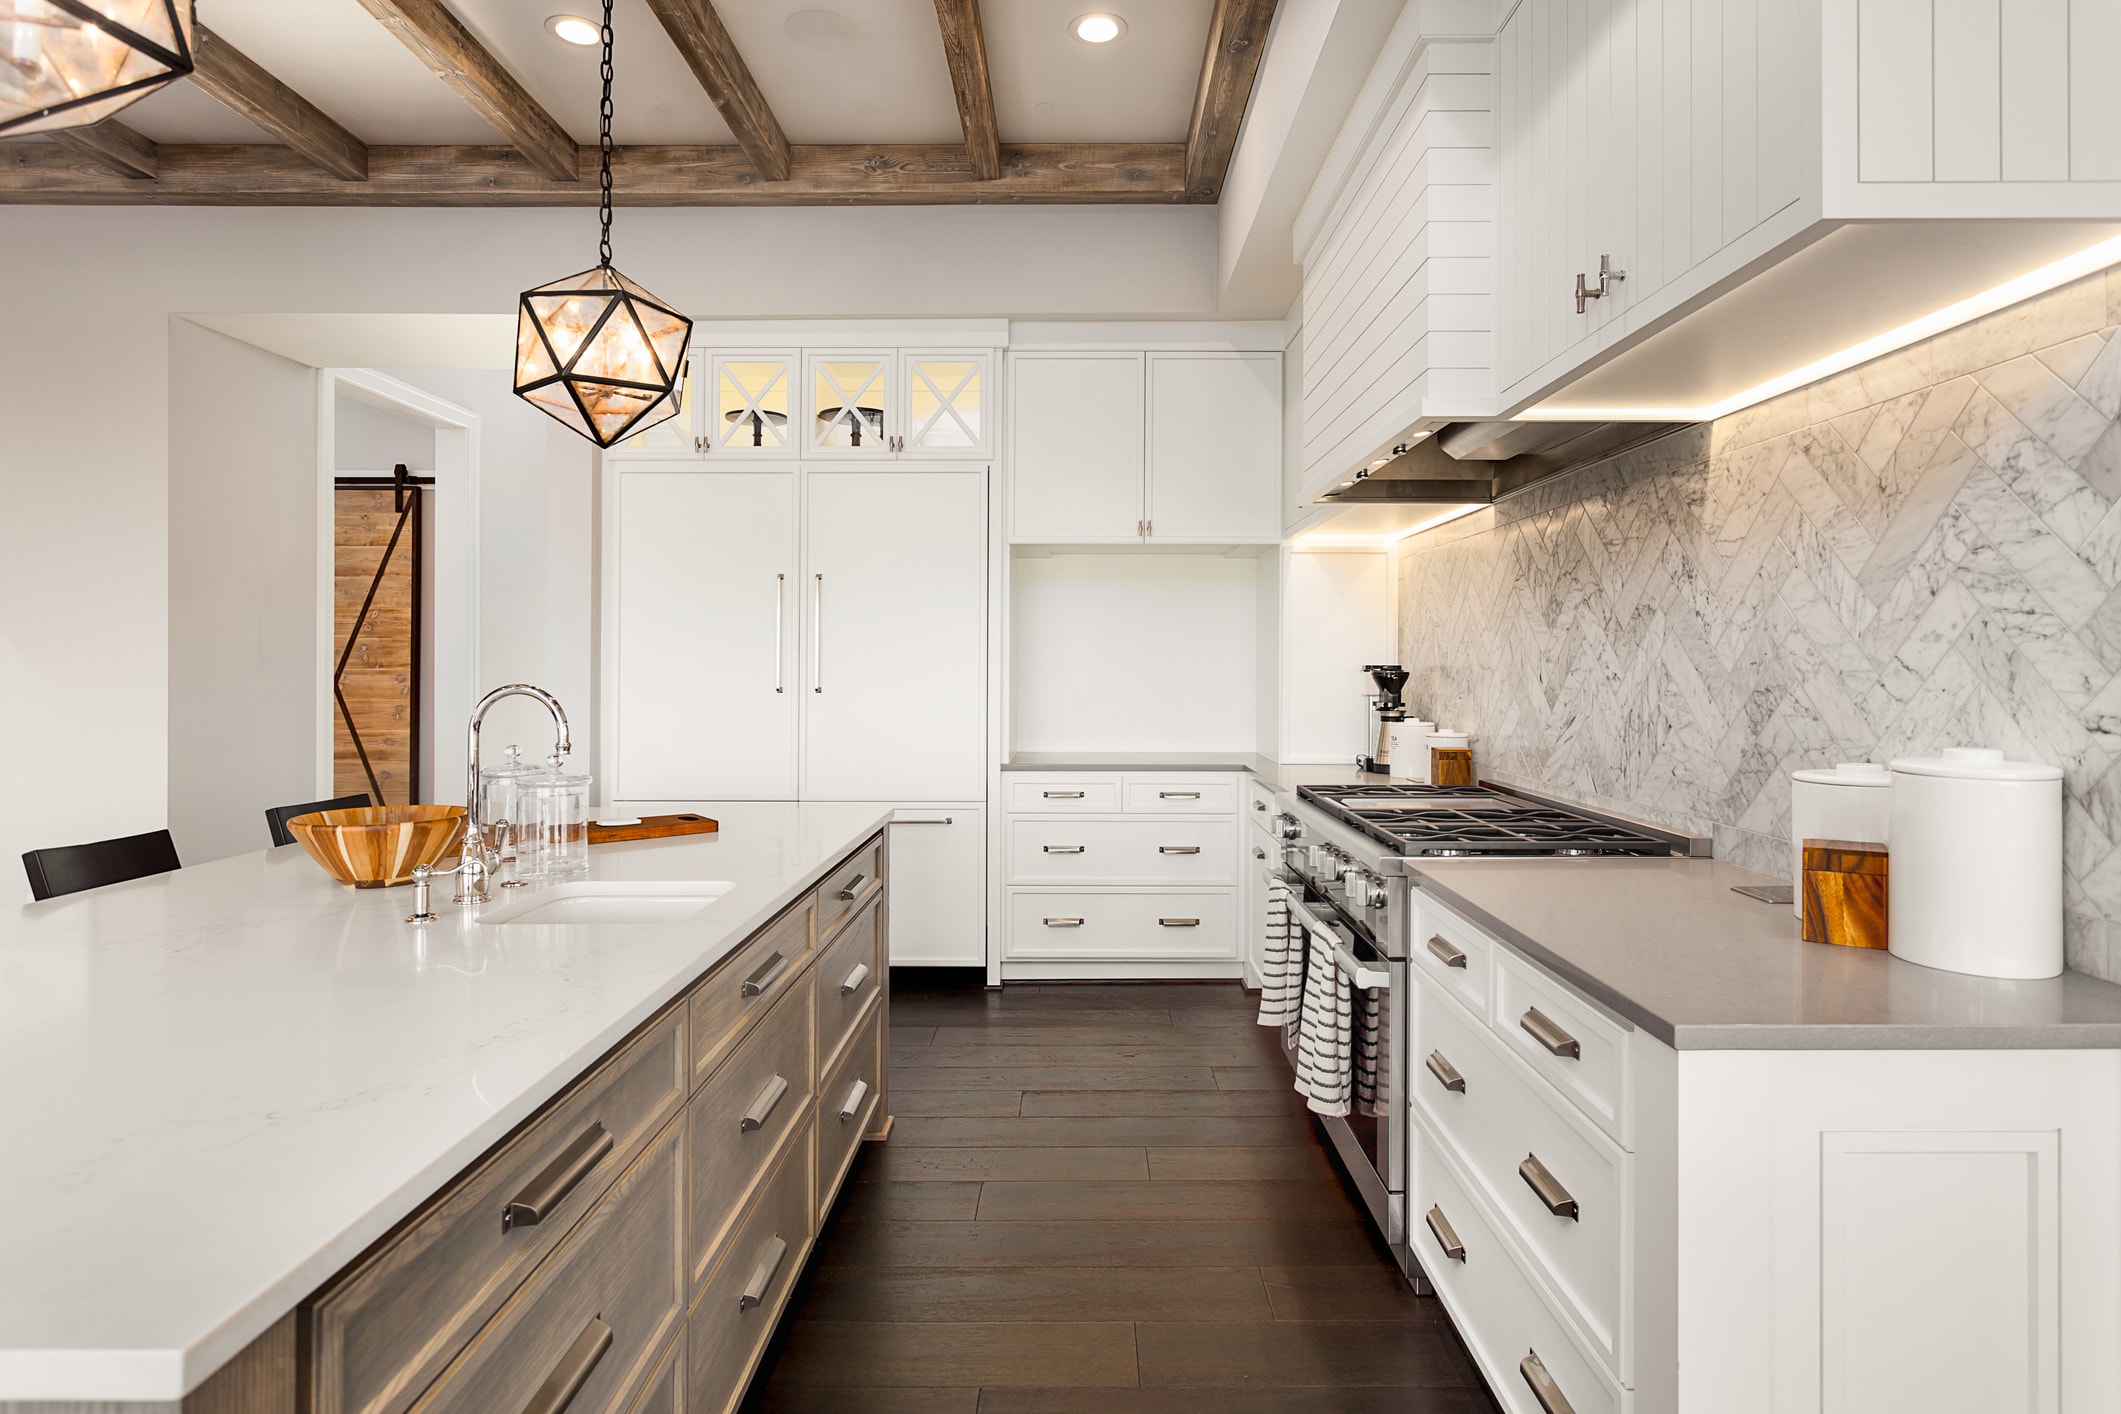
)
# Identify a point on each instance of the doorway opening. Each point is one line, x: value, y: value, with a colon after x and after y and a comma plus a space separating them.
x: 379, y: 610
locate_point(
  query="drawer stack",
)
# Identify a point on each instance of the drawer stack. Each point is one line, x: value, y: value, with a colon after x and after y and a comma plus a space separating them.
x: 1537, y: 1203
x: 1122, y: 875
x: 629, y: 1249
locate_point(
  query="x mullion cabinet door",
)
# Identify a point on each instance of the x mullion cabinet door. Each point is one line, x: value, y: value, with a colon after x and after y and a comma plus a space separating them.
x: 753, y: 404
x: 947, y: 404
x: 673, y: 439
x: 850, y: 407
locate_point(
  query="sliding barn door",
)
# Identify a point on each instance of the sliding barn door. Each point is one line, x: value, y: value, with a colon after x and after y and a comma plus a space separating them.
x: 379, y: 538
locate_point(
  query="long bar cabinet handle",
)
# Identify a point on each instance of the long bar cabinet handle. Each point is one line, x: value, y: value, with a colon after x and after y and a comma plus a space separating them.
x: 780, y: 632
x: 1446, y: 1073
x: 1446, y: 1236
x: 1548, y: 1189
x: 557, y: 1179
x: 1544, y: 1389
x: 754, y: 1293
x: 1178, y: 795
x: 573, y: 1371
x: 763, y: 1106
x: 769, y: 973
x: 817, y: 637
x: 1541, y: 1028
x: 1441, y: 949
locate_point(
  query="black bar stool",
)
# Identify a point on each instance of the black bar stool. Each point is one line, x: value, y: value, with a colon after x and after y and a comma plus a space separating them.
x: 276, y: 818
x: 69, y: 869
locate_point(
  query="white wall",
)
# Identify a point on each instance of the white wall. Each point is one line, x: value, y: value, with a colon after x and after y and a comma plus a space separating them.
x: 1337, y: 616
x: 241, y: 593
x: 367, y: 438
x: 1135, y: 652
x: 84, y: 549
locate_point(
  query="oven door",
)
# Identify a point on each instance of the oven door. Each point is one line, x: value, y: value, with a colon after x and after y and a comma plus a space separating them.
x: 1369, y: 1138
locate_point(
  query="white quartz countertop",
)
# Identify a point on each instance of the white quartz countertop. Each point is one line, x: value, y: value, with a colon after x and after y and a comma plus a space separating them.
x: 1277, y: 774
x: 220, y: 1085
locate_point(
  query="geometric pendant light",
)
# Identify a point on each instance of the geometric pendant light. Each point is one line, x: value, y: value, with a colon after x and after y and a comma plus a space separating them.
x: 595, y: 350
x: 70, y: 63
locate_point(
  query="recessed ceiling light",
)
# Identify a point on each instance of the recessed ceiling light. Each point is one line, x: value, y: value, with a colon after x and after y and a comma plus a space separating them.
x: 574, y: 29
x: 1097, y: 28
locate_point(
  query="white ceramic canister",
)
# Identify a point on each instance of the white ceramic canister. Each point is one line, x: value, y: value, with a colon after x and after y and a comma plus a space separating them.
x: 1854, y: 801
x: 1410, y: 750
x: 1976, y: 883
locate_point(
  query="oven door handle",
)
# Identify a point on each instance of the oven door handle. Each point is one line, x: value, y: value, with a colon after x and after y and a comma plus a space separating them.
x: 1364, y: 978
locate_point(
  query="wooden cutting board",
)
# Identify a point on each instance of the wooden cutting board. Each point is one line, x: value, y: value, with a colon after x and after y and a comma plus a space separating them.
x: 653, y: 827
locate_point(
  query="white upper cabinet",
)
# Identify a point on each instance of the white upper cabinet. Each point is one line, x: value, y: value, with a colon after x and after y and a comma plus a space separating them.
x: 947, y: 408
x: 675, y: 438
x: 850, y: 407
x: 1131, y: 448
x: 1214, y: 448
x: 751, y: 400
x: 1075, y: 447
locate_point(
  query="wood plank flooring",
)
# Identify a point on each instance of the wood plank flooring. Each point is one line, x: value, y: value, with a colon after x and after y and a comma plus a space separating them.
x: 1103, y: 1197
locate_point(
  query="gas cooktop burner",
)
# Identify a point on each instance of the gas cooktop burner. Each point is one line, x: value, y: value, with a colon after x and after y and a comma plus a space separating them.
x: 1452, y: 822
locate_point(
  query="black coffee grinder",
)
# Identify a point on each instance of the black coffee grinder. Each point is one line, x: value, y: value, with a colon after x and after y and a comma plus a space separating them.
x: 1386, y: 707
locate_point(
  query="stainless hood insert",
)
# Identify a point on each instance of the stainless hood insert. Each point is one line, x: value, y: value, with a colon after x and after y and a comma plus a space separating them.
x: 1485, y: 461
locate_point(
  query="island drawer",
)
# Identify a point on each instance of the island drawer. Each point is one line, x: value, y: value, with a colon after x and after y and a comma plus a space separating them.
x: 734, y: 1316
x: 1453, y: 953
x: 758, y: 1098
x: 383, y: 1331
x: 849, y: 886
x: 1063, y: 795
x: 846, y: 1105
x: 850, y: 974
x: 1565, y: 1039
x: 1214, y: 794
x: 601, y: 1311
x: 745, y: 986
x: 1175, y: 853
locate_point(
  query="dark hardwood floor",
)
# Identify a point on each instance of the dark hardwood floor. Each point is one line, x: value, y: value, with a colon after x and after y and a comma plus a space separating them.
x: 1105, y: 1198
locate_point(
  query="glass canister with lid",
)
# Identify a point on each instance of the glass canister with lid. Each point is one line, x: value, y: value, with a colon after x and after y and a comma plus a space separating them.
x: 552, y: 835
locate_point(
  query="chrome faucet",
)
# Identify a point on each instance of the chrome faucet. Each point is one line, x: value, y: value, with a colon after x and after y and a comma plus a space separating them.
x: 481, y: 852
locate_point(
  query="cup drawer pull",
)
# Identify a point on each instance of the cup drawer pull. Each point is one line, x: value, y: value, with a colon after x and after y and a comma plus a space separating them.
x: 1062, y: 794
x: 769, y: 973
x: 763, y: 1107
x: 558, y: 1179
x: 754, y: 1293
x: 1440, y: 948
x: 1178, y: 922
x: 573, y: 1371
x: 1064, y: 922
x: 852, y: 1105
x: 1547, y: 1188
x: 852, y: 889
x: 1544, y: 1389
x: 1546, y: 1033
x: 1446, y: 1236
x: 1178, y: 849
x: 1446, y: 1074
x: 1063, y: 849
x: 855, y: 979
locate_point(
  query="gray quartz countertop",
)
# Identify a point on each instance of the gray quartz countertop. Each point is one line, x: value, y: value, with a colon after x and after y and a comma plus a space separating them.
x: 1666, y: 945
x: 1279, y: 775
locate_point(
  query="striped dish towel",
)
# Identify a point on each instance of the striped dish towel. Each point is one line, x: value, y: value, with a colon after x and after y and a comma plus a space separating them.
x: 1370, y: 1060
x: 1324, y: 1055
x: 1281, y: 962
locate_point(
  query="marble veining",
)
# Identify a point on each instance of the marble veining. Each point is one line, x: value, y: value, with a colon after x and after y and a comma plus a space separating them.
x: 1921, y: 552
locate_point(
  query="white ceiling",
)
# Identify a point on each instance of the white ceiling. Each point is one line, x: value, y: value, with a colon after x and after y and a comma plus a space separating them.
x: 845, y: 71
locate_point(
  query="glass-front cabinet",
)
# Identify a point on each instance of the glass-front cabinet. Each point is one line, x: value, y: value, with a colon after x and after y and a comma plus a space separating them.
x: 751, y: 402
x: 851, y: 412
x: 946, y: 403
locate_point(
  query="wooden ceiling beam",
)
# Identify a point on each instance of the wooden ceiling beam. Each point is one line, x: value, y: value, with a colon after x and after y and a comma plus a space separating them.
x: 129, y: 154
x: 229, y: 75
x: 965, y: 47
x: 42, y: 173
x: 699, y: 35
x: 1237, y: 37
x: 456, y: 57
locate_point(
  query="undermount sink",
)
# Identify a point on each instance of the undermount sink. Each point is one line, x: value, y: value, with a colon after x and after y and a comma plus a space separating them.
x: 615, y: 901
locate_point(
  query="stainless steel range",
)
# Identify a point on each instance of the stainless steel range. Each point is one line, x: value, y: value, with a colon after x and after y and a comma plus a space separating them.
x: 1348, y: 856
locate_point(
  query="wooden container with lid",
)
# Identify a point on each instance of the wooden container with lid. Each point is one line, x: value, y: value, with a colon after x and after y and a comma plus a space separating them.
x: 1844, y: 893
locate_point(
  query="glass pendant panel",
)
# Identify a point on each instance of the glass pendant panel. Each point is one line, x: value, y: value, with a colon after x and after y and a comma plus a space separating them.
x: 73, y: 64
x: 586, y: 355
x: 556, y: 400
x: 671, y: 429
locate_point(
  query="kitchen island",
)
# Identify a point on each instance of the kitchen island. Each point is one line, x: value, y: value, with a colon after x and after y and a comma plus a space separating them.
x: 227, y: 1083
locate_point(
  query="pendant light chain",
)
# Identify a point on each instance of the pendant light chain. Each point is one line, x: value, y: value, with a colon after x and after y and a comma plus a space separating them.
x: 604, y: 145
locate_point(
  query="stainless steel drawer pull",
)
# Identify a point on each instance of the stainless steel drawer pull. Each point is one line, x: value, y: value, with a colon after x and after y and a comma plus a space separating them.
x: 558, y: 1179
x: 1544, y: 1389
x: 1259, y: 805
x: 1178, y: 922
x: 769, y: 973
x: 1440, y: 948
x: 1547, y: 1189
x: 855, y: 979
x: 573, y: 1371
x: 1446, y: 1074
x: 852, y: 1105
x: 1062, y: 794
x: 1258, y: 853
x: 1446, y: 1237
x: 1178, y: 849
x: 763, y: 1106
x: 1064, y: 922
x: 852, y: 887
x: 754, y: 1294
x: 1063, y: 849
x: 1178, y: 795
x: 1546, y: 1033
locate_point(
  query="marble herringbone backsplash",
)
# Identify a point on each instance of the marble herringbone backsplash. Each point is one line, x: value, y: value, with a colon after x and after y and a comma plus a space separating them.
x: 1921, y: 552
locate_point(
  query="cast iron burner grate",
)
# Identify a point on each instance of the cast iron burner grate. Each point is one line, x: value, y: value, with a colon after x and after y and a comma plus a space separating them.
x: 1443, y: 821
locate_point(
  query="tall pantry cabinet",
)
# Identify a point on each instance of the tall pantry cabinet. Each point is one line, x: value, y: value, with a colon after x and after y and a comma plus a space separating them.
x: 780, y: 629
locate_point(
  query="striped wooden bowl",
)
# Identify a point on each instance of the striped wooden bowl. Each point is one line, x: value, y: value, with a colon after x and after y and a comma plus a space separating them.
x: 380, y: 845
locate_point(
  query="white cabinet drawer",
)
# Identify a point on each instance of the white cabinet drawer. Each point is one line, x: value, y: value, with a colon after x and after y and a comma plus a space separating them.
x: 1055, y: 925
x: 1584, y: 1054
x: 1510, y: 1135
x: 1075, y: 795
x: 1166, y: 852
x: 1193, y: 795
x: 1259, y: 804
x: 1452, y: 953
x: 1494, y: 1305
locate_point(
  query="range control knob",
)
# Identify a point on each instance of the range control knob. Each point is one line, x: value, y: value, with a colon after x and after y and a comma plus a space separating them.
x: 1291, y: 828
x: 1373, y: 893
